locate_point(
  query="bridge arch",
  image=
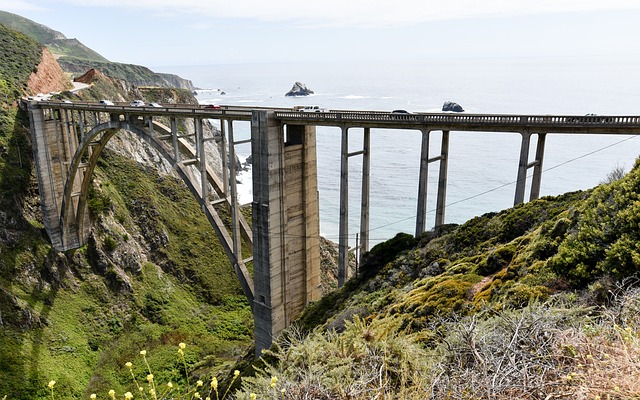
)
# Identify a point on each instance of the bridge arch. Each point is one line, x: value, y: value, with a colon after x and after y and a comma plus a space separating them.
x: 73, y: 218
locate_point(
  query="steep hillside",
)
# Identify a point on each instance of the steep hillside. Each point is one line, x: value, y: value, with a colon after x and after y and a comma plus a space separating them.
x: 152, y: 275
x: 54, y: 40
x: 76, y: 58
x: 539, y: 301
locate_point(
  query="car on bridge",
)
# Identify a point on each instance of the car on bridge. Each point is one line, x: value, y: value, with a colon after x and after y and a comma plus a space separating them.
x: 213, y: 106
x: 312, y: 109
x: 137, y: 103
x: 106, y: 102
x: 156, y: 105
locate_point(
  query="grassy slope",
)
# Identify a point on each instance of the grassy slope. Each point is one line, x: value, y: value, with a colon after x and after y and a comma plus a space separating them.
x: 55, y: 41
x: 78, y: 317
x: 541, y: 298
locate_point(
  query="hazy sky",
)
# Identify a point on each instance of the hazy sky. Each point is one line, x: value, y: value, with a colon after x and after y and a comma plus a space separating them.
x: 159, y: 33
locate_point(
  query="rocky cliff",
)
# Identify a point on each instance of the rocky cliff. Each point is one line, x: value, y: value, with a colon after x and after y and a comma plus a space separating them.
x: 48, y: 76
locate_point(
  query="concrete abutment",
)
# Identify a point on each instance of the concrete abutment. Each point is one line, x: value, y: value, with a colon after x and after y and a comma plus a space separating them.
x: 286, y: 257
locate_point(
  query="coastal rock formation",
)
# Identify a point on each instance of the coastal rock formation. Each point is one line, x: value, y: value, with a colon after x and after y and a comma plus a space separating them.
x: 299, y: 89
x: 451, y: 106
x: 48, y: 76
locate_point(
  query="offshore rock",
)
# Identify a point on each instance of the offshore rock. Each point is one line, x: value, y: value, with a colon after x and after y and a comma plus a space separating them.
x: 299, y: 89
x: 451, y: 106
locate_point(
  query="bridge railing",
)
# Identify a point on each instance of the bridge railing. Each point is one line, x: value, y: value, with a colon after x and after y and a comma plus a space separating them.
x: 463, y: 119
x: 355, y: 116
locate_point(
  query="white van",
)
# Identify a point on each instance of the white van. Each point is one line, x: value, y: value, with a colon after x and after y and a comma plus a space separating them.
x: 106, y: 102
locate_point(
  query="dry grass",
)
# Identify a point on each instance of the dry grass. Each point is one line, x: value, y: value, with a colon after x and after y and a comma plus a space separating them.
x: 555, y: 350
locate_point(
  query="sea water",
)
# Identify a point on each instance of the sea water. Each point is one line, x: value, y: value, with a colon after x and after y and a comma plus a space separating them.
x: 482, y: 166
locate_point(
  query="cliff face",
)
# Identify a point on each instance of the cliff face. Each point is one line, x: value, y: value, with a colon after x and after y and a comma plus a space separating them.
x: 49, y: 77
x: 137, y: 75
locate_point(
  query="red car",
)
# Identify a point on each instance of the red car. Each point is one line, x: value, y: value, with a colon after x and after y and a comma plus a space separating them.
x: 215, y: 106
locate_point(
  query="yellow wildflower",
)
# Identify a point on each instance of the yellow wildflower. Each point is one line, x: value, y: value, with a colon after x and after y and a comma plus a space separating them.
x: 93, y: 396
x: 51, y: 384
x: 199, y: 383
x: 128, y: 365
x: 143, y: 353
x: 112, y: 394
x: 150, y: 378
x: 236, y: 373
x: 214, y: 383
x: 128, y: 396
x: 274, y: 380
x: 182, y: 345
x: 196, y: 395
x: 170, y: 385
x: 253, y: 396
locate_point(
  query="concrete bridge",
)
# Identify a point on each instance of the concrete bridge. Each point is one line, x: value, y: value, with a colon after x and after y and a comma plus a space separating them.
x: 68, y: 139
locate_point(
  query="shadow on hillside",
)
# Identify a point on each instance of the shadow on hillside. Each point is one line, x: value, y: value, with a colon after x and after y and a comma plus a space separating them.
x: 28, y: 283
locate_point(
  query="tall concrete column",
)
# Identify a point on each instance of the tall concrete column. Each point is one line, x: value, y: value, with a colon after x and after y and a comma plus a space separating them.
x: 286, y: 229
x: 233, y: 193
x: 364, y: 203
x: 423, y: 180
x: 442, y: 180
x: 537, y: 169
x: 521, y: 182
x: 225, y: 158
x: 343, y: 239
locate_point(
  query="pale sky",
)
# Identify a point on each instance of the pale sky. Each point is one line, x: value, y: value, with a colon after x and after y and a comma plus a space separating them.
x: 158, y: 33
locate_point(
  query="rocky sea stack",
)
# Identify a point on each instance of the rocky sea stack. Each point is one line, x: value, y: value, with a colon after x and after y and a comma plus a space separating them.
x: 299, y: 89
x: 451, y: 106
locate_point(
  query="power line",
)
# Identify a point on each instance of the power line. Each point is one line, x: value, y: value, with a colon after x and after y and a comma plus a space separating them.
x: 337, y: 237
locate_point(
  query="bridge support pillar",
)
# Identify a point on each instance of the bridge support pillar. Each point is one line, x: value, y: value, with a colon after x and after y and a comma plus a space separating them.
x: 54, y: 144
x: 423, y: 181
x: 365, y: 195
x: 343, y: 227
x: 286, y: 224
x: 537, y: 168
x: 524, y: 165
x: 442, y: 179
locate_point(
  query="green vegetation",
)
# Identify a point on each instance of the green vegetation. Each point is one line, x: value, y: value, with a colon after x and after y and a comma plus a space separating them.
x: 152, y: 275
x: 537, y: 301
x: 541, y: 298
x: 54, y: 40
x: 19, y: 57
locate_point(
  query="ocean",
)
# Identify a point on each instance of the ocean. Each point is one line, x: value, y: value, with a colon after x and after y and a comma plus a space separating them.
x: 482, y: 166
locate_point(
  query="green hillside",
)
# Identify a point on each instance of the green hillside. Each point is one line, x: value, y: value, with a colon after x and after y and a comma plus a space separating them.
x: 539, y: 301
x: 54, y: 40
x: 153, y: 274
x: 76, y: 58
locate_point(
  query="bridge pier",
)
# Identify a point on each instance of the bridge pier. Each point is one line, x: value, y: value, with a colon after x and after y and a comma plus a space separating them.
x: 423, y: 181
x: 55, y: 142
x: 343, y: 240
x: 442, y: 179
x: 524, y: 165
x: 365, y: 195
x: 286, y: 224
x: 343, y: 228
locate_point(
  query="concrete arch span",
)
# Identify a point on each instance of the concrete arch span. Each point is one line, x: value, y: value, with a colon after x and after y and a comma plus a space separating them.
x: 74, y: 222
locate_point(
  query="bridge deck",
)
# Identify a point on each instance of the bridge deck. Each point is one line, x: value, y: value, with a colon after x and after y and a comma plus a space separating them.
x: 579, y: 124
